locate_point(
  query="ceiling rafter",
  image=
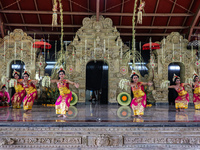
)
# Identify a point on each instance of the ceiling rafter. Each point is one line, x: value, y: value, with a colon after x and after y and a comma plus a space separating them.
x: 122, y: 27
x: 70, y: 7
x: 97, y: 9
x: 189, y: 9
x: 157, y: 3
x: 105, y: 5
x: 5, y: 15
x: 105, y: 14
x: 194, y: 21
x: 88, y: 6
x: 18, y: 5
x: 36, y: 7
x: 2, y: 26
x: 171, y: 13
x: 122, y: 9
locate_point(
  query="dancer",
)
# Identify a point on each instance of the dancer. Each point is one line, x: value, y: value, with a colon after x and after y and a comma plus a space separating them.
x: 4, y: 96
x: 63, y: 102
x: 31, y: 91
x: 196, y: 95
x: 138, y: 103
x: 19, y: 91
x: 181, y: 102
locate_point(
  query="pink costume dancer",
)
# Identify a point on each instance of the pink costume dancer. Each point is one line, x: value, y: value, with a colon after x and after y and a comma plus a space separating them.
x: 19, y: 91
x: 63, y: 102
x: 196, y: 95
x: 4, y: 96
x: 138, y: 103
x: 31, y: 92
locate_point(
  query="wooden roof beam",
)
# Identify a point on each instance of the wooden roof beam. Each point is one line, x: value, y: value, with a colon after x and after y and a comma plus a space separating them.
x: 2, y: 26
x: 104, y: 14
x: 194, y: 21
x: 119, y: 27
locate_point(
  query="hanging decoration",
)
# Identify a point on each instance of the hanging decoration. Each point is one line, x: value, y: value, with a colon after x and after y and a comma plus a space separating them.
x: 173, y: 52
x: 180, y: 51
x: 21, y: 50
x: 104, y: 50
x: 54, y: 16
x: 31, y: 53
x: 55, y: 50
x: 34, y: 46
x: 140, y: 9
x: 4, y: 55
x: 15, y: 52
x: 48, y: 55
x: 62, y: 30
x: 85, y: 50
x: 73, y: 53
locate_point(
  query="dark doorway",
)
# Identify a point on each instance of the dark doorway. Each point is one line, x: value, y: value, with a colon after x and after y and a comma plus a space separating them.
x: 97, y: 82
x: 19, y: 66
x: 178, y: 69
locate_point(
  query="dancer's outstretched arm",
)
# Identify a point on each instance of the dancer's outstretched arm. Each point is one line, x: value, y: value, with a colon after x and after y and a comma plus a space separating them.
x: 73, y: 83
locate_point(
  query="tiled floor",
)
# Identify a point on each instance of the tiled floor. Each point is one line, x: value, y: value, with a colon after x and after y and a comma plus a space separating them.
x: 93, y: 114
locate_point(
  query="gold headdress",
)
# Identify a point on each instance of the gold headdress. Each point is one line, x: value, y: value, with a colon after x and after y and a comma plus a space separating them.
x: 134, y: 73
x: 174, y: 77
x: 194, y: 75
x: 61, y: 69
x: 15, y: 72
x: 25, y: 71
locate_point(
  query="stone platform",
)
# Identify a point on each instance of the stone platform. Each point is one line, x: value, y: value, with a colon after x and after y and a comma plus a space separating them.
x: 100, y: 127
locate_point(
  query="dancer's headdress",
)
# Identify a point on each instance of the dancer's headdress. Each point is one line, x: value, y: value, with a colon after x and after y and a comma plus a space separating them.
x: 61, y: 69
x: 175, y: 77
x: 15, y: 72
x: 3, y: 86
x: 195, y: 75
x: 134, y: 73
x: 26, y: 72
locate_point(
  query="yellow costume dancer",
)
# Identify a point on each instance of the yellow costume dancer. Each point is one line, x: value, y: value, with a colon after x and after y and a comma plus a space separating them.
x: 31, y: 92
x: 19, y: 91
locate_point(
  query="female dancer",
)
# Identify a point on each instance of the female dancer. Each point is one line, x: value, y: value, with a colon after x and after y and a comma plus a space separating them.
x: 19, y: 91
x: 4, y: 96
x: 31, y: 91
x: 138, y: 103
x: 181, y: 102
x: 63, y: 102
x: 196, y: 95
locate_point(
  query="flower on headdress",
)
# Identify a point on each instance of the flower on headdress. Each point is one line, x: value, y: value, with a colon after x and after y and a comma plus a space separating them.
x: 15, y: 72
x: 174, y: 77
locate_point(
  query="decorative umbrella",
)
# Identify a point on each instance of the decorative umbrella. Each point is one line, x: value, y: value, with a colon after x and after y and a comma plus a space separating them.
x: 42, y: 45
x: 153, y: 46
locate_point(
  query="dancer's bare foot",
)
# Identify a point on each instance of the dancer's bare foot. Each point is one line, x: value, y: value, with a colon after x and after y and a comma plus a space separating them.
x: 60, y: 115
x: 28, y: 111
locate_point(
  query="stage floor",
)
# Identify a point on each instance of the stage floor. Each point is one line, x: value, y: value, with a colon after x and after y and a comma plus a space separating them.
x: 94, y: 115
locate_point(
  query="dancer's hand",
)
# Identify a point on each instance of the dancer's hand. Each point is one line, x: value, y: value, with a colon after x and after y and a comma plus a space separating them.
x: 76, y: 85
x: 150, y: 83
